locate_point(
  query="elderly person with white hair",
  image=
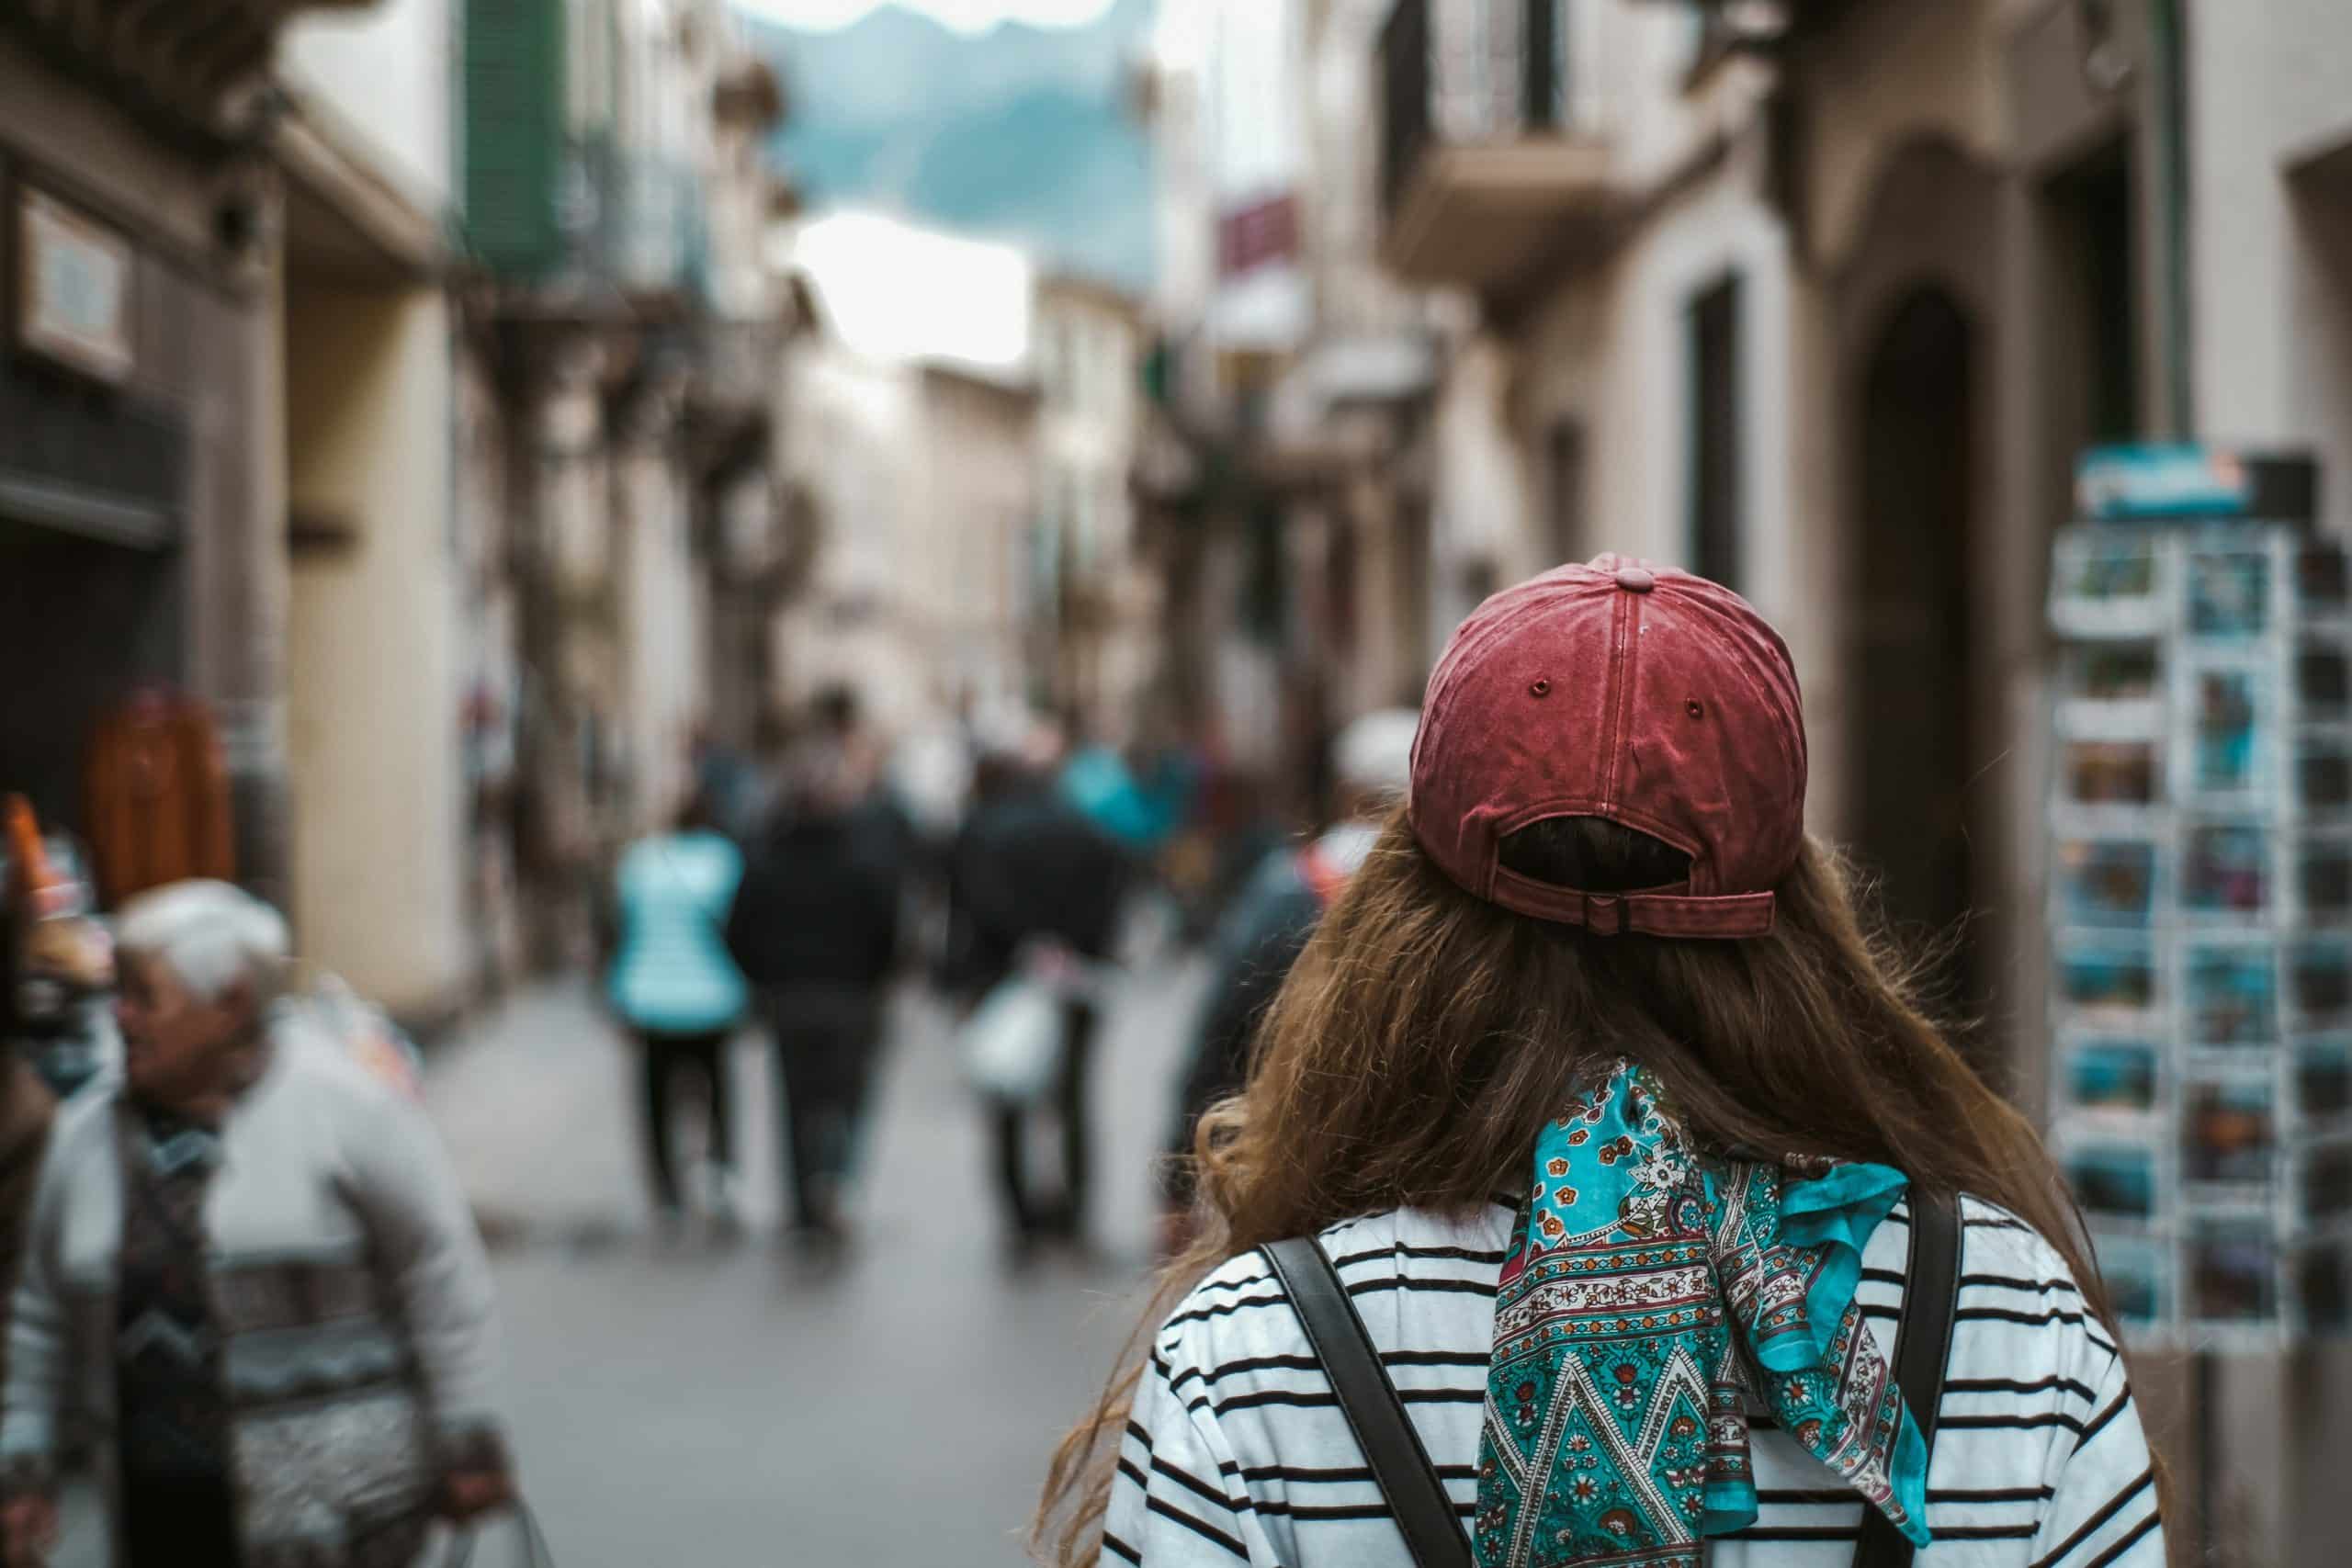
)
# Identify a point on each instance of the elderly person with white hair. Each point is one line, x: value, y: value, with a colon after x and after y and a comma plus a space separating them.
x: 251, y: 1277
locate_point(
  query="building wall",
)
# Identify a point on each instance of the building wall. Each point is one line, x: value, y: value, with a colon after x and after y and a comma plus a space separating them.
x: 373, y: 668
x: 384, y: 72
x: 1090, y: 356
x: 490, y: 676
x: 1478, y: 511
x: 854, y: 421
x: 2270, y: 135
x: 977, y: 611
x: 1898, y: 71
x: 2272, y: 264
x: 204, y: 356
x: 663, y: 607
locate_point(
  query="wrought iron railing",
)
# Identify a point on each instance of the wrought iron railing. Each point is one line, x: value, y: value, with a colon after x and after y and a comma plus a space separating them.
x: 1456, y: 71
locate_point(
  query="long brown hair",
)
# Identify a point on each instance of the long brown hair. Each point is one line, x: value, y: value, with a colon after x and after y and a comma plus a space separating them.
x: 1425, y: 1036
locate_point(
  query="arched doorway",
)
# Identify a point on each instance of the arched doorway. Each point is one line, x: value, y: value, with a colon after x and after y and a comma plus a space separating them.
x: 1917, y: 751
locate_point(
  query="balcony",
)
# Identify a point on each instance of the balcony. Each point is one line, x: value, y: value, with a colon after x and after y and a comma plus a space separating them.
x: 1495, y: 160
x: 558, y: 198
x: 195, y: 68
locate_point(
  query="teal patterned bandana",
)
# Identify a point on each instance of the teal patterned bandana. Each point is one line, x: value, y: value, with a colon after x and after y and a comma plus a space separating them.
x: 1647, y: 1291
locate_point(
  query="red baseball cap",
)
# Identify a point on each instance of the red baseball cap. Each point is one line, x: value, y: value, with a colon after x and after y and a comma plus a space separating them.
x: 1635, y: 693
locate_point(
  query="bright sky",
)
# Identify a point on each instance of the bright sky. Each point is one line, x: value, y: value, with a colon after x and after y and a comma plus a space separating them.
x: 895, y: 290
x: 962, y: 15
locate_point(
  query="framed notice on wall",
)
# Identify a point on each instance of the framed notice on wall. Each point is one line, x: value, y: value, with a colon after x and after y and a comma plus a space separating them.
x: 73, y: 289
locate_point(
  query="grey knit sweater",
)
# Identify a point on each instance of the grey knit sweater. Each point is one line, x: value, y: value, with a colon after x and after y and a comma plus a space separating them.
x: 349, y: 1290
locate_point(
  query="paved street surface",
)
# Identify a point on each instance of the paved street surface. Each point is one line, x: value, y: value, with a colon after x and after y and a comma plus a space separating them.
x: 688, y: 1401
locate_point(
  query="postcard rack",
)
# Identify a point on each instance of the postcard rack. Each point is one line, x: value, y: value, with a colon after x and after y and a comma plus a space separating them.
x: 2200, y: 920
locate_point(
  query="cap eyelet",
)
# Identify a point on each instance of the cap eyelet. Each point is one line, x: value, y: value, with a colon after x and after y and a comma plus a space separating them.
x: 1695, y: 708
x: 1541, y: 688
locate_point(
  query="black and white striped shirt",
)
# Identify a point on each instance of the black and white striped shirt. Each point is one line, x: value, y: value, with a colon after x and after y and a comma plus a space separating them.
x: 1236, y: 1450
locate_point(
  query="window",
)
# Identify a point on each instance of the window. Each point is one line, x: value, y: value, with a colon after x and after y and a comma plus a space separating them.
x: 1547, y: 64
x: 1712, y: 330
x: 2111, y: 280
x: 1564, y: 486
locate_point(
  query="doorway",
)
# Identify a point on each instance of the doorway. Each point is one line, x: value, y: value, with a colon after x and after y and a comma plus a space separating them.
x: 1712, y: 334
x: 1915, y: 675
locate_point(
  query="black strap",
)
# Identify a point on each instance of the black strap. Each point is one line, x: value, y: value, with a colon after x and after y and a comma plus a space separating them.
x: 1922, y: 1346
x: 1399, y: 1465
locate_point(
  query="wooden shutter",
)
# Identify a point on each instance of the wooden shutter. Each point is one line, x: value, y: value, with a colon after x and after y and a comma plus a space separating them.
x: 513, y: 128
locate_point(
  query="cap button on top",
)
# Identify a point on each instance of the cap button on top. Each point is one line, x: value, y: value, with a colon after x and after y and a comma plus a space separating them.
x: 1634, y: 580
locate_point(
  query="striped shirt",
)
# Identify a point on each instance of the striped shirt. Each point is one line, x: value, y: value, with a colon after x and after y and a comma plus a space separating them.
x: 1236, y: 1450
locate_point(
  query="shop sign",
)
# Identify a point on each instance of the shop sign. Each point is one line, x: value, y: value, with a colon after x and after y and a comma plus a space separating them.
x: 1259, y: 234
x: 74, y: 282
x: 2153, y: 482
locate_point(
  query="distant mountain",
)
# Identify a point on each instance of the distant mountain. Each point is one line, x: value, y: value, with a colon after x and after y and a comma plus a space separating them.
x: 1022, y: 133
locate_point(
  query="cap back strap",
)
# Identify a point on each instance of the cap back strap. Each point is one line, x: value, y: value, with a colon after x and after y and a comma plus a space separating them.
x: 1650, y: 914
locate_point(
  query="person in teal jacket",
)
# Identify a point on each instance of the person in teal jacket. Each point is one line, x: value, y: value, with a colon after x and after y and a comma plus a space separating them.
x: 673, y: 984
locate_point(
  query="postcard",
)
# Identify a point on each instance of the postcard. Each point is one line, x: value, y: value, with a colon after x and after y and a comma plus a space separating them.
x: 2229, y: 593
x: 2323, y: 1079
x: 2232, y: 1268
x: 2323, y: 878
x: 2231, y: 994
x: 2322, y: 772
x: 2323, y: 586
x: 2106, y: 979
x: 2111, y: 773
x: 2112, y: 1077
x: 2225, y: 869
x: 2139, y: 1278
x: 2319, y: 981
x: 2323, y: 680
x: 2228, y: 727
x: 2118, y: 1181
x: 2324, y: 1288
x: 2106, y: 882
x: 2230, y: 1131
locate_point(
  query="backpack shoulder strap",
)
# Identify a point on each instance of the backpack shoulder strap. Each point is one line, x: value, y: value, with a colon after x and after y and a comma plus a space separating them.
x: 1922, y: 1348
x: 1399, y: 1465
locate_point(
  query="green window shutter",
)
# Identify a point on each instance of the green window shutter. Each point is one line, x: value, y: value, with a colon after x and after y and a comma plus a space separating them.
x: 514, y: 116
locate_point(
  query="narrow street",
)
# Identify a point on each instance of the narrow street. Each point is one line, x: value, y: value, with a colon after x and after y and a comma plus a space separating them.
x: 691, y: 1400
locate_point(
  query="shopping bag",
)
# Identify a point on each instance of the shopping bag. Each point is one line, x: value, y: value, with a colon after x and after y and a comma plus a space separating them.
x: 462, y: 1539
x: 1012, y: 1044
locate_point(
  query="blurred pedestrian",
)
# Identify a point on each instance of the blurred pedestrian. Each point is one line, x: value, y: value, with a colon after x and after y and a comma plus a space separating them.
x: 816, y: 930
x: 1594, y: 1108
x: 1029, y: 872
x: 1267, y: 927
x: 674, y: 983
x: 55, y: 965
x: 251, y: 1270
x: 1141, y: 808
x: 56, y: 960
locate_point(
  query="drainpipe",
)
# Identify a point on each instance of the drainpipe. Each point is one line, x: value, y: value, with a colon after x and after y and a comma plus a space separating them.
x: 2167, y: 44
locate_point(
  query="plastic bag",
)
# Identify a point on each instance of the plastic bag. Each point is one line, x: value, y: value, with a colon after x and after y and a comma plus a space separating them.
x: 463, y: 1538
x: 341, y: 1017
x: 1012, y: 1044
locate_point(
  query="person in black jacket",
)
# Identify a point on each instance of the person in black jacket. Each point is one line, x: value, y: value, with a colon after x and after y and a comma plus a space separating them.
x: 1029, y: 870
x: 815, y: 928
x: 1268, y: 925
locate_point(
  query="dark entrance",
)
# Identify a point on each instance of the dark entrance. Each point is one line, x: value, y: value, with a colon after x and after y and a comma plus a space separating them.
x: 83, y: 623
x: 1918, y: 753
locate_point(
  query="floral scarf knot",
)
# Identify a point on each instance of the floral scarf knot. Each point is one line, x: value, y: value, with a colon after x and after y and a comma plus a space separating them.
x: 1649, y: 1292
